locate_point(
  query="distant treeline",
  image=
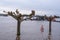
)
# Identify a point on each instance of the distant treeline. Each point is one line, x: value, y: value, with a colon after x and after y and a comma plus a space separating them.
x: 3, y: 14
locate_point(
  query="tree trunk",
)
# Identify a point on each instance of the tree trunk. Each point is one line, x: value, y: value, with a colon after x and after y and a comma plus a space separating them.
x: 49, y: 27
x: 18, y: 30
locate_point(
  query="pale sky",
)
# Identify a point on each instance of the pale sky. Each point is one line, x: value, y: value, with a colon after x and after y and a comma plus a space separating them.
x: 30, y: 4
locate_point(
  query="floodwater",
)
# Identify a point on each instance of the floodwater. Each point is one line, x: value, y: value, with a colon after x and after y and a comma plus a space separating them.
x: 30, y: 30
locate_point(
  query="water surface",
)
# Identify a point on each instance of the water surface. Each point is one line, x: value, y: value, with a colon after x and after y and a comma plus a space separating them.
x: 30, y: 30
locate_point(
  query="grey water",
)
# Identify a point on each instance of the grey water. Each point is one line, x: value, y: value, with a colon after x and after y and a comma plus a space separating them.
x: 30, y: 30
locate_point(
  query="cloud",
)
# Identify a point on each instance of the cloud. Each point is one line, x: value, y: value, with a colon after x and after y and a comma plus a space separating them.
x: 6, y: 8
x: 38, y: 12
x: 31, y: 4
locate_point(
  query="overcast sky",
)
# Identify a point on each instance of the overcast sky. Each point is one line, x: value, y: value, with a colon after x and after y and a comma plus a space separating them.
x: 31, y: 4
x: 53, y: 5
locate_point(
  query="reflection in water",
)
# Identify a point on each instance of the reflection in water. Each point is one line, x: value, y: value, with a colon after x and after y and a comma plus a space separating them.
x: 49, y: 37
x: 30, y: 30
x: 18, y: 37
